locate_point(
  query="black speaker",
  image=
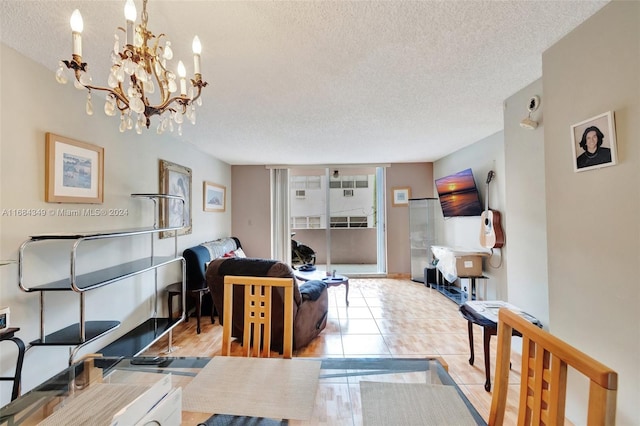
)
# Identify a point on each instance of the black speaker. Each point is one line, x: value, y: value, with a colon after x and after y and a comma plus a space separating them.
x: 430, y: 276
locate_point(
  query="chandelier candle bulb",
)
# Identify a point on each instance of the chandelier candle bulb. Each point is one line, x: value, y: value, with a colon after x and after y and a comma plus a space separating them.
x: 182, y: 72
x: 76, y: 32
x: 130, y: 16
x: 197, y: 50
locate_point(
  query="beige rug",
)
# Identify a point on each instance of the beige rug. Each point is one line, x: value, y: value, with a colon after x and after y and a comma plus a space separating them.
x: 385, y: 404
x: 256, y: 387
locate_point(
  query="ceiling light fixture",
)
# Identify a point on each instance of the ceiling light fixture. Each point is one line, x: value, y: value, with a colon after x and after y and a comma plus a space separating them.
x: 139, y: 69
x: 528, y: 123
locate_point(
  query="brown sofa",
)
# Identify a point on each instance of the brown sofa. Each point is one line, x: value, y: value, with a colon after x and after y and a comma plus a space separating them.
x: 310, y: 307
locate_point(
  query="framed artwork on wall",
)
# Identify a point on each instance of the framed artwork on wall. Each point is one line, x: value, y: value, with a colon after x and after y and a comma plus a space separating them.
x: 175, y: 180
x: 213, y: 197
x: 593, y: 142
x: 74, y: 171
x: 401, y: 196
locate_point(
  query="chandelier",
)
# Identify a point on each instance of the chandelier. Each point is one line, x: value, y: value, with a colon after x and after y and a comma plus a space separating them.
x: 139, y: 71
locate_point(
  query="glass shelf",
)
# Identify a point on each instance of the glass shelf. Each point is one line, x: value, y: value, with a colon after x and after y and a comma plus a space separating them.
x: 102, y: 277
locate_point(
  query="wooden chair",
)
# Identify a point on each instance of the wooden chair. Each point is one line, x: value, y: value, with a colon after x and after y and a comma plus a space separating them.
x: 545, y: 359
x: 257, y: 314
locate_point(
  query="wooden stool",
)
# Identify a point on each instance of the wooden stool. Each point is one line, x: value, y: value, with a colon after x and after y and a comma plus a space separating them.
x: 175, y: 289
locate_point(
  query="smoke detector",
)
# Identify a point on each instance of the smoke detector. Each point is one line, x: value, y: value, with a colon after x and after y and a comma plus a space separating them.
x: 528, y: 123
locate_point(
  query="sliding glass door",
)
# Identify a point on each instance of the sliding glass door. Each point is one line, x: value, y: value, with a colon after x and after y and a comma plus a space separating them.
x: 338, y: 213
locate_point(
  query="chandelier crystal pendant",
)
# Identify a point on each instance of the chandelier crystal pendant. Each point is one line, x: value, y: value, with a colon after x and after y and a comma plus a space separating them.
x: 138, y: 71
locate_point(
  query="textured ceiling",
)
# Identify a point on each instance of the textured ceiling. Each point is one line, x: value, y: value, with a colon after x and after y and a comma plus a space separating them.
x: 326, y: 82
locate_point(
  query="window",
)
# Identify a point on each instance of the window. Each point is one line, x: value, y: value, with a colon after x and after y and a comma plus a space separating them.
x: 301, y: 193
x: 357, y: 222
x: 347, y: 192
x: 339, y: 222
x: 362, y: 182
x: 298, y: 182
x: 314, y: 222
x: 349, y: 182
x: 305, y: 182
x: 349, y: 222
x: 305, y: 222
x: 313, y: 182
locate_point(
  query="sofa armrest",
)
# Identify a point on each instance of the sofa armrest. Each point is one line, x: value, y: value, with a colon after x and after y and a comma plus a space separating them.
x: 195, y: 258
x: 310, y: 319
x: 311, y: 290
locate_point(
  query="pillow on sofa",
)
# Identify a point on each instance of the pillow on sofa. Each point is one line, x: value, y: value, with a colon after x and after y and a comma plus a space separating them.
x: 239, y: 253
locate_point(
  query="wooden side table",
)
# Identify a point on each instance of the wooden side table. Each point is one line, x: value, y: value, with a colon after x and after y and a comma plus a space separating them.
x: 485, y: 314
x: 9, y: 334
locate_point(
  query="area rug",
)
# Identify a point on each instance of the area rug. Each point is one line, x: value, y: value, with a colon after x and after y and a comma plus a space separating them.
x: 255, y: 387
x: 386, y: 404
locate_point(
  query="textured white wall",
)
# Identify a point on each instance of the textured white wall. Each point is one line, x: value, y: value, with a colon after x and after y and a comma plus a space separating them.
x: 32, y: 103
x: 483, y: 156
x: 592, y: 216
x: 526, y: 229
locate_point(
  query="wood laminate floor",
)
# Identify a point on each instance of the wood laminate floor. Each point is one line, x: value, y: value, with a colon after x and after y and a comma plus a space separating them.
x: 385, y: 318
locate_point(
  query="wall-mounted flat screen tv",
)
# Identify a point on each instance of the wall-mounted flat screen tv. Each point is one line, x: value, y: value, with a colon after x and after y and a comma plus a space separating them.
x: 459, y: 195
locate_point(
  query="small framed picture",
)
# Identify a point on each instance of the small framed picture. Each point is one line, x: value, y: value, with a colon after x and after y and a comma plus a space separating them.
x: 401, y: 196
x: 175, y: 180
x: 213, y: 197
x: 74, y: 171
x: 594, y: 143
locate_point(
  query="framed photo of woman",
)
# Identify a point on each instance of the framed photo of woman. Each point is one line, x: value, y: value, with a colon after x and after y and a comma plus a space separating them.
x: 594, y: 143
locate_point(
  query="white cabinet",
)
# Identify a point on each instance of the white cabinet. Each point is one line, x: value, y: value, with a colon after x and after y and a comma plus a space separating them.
x: 422, y: 234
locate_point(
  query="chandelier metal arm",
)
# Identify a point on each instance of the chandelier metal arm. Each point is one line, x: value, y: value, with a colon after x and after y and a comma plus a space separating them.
x: 78, y: 67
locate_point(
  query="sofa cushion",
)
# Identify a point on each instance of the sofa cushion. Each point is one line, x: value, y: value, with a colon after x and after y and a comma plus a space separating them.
x: 218, y: 248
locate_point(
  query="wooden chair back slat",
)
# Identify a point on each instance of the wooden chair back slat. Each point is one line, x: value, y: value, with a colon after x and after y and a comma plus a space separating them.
x: 257, y: 315
x: 543, y: 380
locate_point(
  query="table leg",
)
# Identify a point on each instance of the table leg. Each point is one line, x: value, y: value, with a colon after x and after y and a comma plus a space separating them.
x: 487, y: 362
x: 472, y: 358
x: 346, y: 296
x: 213, y: 310
x: 472, y: 294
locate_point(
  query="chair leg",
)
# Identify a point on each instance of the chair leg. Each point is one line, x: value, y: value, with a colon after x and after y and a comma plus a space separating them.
x: 198, y: 311
x: 170, y: 305
x: 213, y: 310
x: 170, y: 297
x: 472, y: 357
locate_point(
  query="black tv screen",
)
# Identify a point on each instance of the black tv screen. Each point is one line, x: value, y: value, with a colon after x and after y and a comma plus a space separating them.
x: 459, y: 195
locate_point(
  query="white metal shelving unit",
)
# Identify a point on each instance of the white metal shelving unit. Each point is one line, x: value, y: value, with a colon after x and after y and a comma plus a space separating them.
x: 84, y: 332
